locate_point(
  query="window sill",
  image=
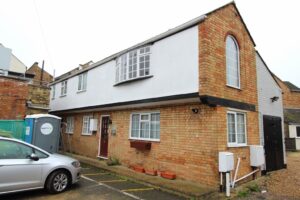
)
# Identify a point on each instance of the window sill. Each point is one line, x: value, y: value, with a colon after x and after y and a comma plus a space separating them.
x: 132, y: 80
x: 236, y: 145
x: 234, y: 87
x: 86, y: 134
x: 69, y: 133
x: 81, y: 91
x: 145, y: 140
x: 62, y: 95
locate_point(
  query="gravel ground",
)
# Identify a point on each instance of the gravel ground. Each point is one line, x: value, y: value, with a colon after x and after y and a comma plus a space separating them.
x: 283, y: 184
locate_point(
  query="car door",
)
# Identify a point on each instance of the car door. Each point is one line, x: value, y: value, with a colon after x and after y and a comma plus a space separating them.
x: 17, y: 170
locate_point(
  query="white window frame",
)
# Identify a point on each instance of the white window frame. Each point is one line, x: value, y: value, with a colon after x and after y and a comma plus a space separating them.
x: 86, y: 118
x: 82, y: 82
x: 238, y: 62
x: 236, y: 144
x: 149, y: 119
x: 53, y: 91
x: 64, y: 88
x: 122, y: 65
x: 70, y: 125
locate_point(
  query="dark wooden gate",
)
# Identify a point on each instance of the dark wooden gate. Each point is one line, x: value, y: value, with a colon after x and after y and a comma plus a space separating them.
x: 104, y: 136
x: 273, y: 143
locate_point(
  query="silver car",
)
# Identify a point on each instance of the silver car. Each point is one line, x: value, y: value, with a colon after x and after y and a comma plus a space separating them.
x: 26, y: 167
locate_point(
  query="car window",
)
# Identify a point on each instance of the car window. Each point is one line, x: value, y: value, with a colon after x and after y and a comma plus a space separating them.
x: 14, y: 150
x: 40, y: 154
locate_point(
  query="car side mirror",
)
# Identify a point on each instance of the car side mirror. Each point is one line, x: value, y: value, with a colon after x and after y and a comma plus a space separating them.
x: 34, y: 157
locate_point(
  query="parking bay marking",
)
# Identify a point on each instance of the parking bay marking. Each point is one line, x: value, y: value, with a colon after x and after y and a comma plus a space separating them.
x: 137, y: 189
x: 112, y: 188
x: 112, y: 181
x: 95, y: 174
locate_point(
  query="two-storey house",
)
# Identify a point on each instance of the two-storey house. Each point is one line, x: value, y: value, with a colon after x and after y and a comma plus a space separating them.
x: 172, y: 102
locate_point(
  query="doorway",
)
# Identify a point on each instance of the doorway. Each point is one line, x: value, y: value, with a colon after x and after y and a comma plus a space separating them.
x: 103, y: 148
x: 273, y: 143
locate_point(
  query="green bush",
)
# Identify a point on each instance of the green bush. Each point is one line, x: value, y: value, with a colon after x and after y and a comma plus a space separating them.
x: 112, y: 161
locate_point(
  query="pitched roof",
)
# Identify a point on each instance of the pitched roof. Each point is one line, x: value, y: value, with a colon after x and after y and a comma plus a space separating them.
x: 291, y: 86
x: 161, y: 36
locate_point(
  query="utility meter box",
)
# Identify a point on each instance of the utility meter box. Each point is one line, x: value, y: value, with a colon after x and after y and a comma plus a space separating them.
x: 93, y: 124
x: 257, y: 156
x: 226, y: 161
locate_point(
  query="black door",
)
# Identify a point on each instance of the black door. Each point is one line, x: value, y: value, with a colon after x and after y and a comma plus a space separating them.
x: 273, y: 143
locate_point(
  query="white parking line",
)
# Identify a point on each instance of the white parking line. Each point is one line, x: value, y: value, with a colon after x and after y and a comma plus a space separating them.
x: 112, y: 188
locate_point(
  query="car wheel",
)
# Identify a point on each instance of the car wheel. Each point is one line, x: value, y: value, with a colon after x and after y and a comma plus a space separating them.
x: 57, y: 182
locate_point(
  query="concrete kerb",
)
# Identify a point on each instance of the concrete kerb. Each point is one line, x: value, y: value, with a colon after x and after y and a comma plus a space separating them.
x: 179, y: 187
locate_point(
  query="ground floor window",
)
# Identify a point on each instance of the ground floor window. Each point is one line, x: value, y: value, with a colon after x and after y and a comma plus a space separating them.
x: 86, y: 125
x: 236, y: 128
x: 145, y: 126
x: 70, y: 125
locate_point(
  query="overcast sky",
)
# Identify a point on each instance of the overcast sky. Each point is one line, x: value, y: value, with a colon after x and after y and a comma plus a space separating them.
x: 66, y: 33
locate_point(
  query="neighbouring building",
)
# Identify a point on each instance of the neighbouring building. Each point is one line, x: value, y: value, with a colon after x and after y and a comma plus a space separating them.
x: 38, y: 91
x: 291, y: 104
x: 22, y: 91
x: 174, y: 101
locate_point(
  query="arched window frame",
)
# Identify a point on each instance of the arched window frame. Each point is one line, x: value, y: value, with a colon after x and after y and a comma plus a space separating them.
x: 238, y: 86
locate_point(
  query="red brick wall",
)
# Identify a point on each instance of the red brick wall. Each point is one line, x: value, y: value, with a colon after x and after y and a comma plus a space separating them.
x: 13, y: 95
x: 212, y: 73
x: 290, y: 99
x: 212, y: 60
x: 78, y: 143
x: 189, y: 143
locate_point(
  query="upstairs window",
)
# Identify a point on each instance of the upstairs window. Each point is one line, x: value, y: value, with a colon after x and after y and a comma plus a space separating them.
x: 232, y: 62
x: 53, y: 91
x: 64, y: 88
x: 70, y: 125
x: 82, y: 82
x: 134, y: 64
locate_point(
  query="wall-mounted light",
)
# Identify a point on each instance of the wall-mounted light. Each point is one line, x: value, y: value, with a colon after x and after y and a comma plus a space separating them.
x: 195, y: 110
x: 275, y: 98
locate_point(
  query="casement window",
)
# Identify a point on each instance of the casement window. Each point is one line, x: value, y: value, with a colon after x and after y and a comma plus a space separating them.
x: 298, y: 131
x: 70, y: 125
x: 145, y: 126
x: 134, y: 64
x: 232, y: 62
x: 82, y: 82
x: 53, y: 91
x: 86, y: 125
x: 236, y: 128
x: 64, y: 88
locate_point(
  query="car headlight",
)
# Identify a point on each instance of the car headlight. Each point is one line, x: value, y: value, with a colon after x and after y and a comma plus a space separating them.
x: 76, y: 164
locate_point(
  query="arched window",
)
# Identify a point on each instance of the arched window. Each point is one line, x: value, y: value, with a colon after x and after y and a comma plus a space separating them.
x: 232, y: 62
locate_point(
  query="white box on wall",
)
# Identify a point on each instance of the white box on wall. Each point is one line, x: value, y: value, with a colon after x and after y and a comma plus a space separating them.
x: 257, y: 155
x: 226, y: 161
x: 93, y: 124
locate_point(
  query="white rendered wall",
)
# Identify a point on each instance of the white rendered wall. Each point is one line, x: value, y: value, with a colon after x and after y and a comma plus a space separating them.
x: 16, y: 65
x: 173, y: 64
x: 268, y: 88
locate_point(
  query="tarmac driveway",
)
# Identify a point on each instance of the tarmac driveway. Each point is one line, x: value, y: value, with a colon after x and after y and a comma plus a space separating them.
x: 99, y: 184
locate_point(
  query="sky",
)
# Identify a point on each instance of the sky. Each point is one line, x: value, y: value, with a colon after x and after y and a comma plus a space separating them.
x: 66, y: 33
